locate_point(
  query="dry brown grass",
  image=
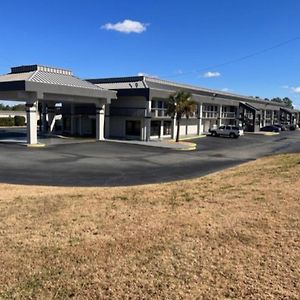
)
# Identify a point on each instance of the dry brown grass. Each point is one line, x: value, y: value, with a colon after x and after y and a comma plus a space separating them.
x: 230, y: 235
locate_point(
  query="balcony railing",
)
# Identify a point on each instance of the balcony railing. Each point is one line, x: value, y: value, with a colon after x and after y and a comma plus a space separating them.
x: 156, y: 113
x: 228, y: 115
x: 209, y: 114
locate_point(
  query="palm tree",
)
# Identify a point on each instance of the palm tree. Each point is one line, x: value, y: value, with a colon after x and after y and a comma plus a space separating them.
x: 180, y: 104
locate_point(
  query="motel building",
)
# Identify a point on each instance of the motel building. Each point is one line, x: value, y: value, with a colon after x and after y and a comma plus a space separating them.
x: 127, y: 107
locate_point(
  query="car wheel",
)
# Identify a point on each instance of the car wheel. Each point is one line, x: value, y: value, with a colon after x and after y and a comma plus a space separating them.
x: 232, y: 135
x: 213, y: 133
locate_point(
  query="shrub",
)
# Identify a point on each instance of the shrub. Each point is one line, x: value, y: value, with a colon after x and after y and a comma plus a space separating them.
x: 7, y: 121
x: 19, y: 120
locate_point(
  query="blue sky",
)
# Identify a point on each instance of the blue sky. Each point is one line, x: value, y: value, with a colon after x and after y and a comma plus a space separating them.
x: 183, y: 41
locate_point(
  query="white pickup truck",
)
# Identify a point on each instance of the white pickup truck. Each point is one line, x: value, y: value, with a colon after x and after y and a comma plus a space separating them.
x: 231, y: 131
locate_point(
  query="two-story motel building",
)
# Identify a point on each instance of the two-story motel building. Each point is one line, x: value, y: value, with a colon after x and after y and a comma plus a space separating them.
x: 128, y: 107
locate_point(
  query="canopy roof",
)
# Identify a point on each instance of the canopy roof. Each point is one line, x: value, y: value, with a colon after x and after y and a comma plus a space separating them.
x: 49, y: 83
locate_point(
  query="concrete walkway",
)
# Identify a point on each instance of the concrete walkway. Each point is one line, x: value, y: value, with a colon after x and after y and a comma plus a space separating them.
x: 167, y: 143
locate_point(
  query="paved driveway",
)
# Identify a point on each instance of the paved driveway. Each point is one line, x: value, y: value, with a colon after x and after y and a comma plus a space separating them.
x: 113, y: 164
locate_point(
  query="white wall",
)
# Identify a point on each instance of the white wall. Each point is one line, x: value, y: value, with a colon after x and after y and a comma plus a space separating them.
x: 188, y: 126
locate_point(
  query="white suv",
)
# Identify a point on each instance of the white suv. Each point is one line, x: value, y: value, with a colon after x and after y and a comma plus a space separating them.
x: 231, y: 131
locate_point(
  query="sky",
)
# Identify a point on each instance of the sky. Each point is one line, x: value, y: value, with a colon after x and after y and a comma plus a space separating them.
x: 248, y: 47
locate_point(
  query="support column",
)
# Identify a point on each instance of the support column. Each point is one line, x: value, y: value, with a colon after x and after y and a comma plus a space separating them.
x: 107, y: 119
x: 161, y: 130
x: 264, y: 118
x: 272, y: 117
x: 199, y: 128
x: 31, y: 111
x: 148, y: 120
x: 100, y: 123
x: 220, y: 115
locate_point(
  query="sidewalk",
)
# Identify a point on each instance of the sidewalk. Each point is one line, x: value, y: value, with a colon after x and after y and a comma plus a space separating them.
x: 166, y: 143
x: 53, y: 139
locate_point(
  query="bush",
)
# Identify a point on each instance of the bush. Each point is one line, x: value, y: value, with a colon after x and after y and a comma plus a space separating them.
x: 19, y: 120
x: 7, y: 121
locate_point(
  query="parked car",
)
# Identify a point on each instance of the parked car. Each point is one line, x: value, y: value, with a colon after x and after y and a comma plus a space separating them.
x: 231, y: 131
x: 280, y: 126
x: 270, y: 128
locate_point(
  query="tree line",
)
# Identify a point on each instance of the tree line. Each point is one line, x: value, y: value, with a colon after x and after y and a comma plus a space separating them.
x: 285, y: 100
x: 17, y: 107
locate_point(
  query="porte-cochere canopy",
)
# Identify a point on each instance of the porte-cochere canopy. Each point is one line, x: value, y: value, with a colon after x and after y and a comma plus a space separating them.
x: 35, y: 84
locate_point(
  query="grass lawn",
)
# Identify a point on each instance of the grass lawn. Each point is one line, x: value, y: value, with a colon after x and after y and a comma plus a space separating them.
x: 229, y: 235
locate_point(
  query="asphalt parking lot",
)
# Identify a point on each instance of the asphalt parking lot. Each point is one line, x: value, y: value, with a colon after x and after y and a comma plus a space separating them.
x: 114, y: 164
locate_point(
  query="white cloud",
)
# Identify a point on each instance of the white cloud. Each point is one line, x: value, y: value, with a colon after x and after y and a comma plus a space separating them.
x: 296, y: 89
x: 225, y: 90
x: 292, y: 89
x: 211, y: 74
x: 127, y: 26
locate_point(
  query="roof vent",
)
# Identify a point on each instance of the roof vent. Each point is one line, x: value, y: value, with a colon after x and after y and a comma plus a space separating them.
x: 31, y: 68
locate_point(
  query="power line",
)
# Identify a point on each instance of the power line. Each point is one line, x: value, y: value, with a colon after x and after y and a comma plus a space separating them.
x: 229, y: 62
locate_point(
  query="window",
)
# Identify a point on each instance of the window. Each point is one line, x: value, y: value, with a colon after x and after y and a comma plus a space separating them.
x: 158, y: 108
x: 155, y: 128
x: 167, y: 127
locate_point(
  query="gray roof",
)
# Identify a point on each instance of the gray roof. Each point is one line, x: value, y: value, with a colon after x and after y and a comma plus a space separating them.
x: 51, y: 83
x: 137, y: 82
x: 49, y: 75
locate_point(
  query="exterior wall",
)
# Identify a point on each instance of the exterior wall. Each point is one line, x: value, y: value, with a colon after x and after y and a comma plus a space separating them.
x: 133, y: 109
x: 209, y: 123
x: 127, y: 109
x: 117, y: 127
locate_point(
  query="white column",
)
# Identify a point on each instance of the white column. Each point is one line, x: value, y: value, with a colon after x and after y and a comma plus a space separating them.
x: 161, y: 129
x: 100, y: 123
x: 272, y: 117
x: 148, y: 120
x: 31, y: 111
x: 220, y: 115
x: 107, y: 119
x: 199, y: 128
x: 264, y: 118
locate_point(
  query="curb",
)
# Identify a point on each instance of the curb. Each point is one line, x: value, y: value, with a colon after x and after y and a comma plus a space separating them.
x: 193, y: 137
x: 35, y: 145
x: 192, y: 146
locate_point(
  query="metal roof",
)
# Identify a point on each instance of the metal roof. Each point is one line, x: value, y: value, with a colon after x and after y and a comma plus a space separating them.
x: 48, y: 75
x: 288, y: 109
x: 156, y: 83
x: 62, y: 79
x: 49, y: 81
